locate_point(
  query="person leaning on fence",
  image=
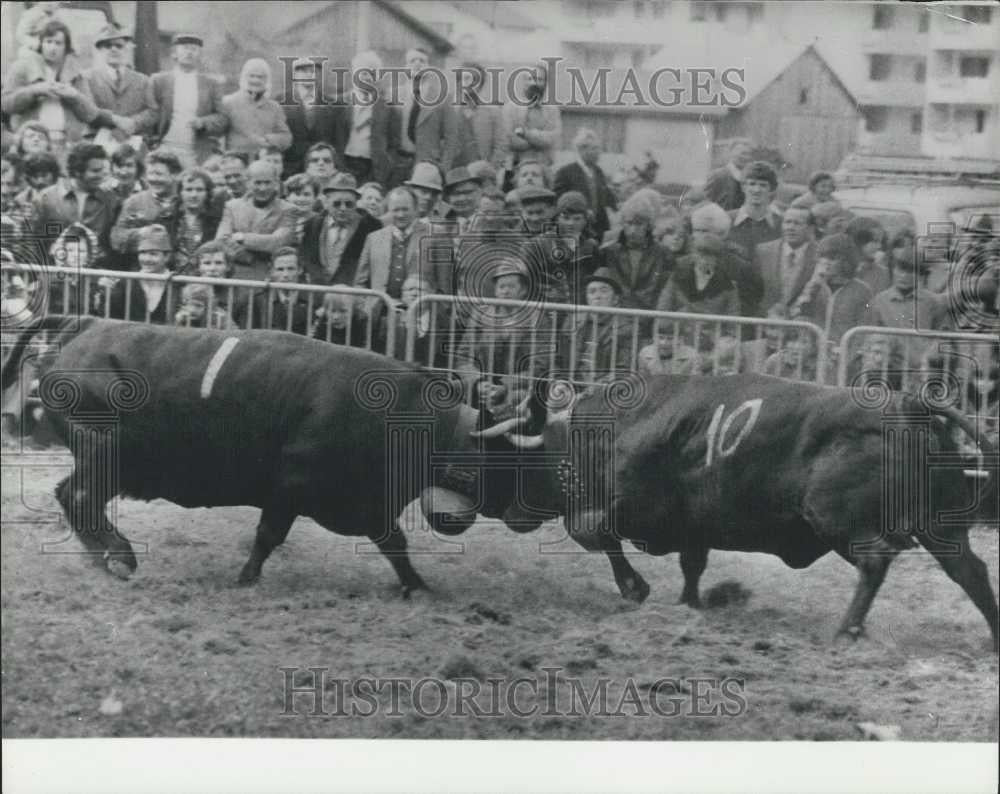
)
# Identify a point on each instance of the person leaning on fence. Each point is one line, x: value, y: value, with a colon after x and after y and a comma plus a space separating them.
x: 144, y: 301
x: 640, y: 264
x: 428, y: 325
x: 76, y: 249
x: 848, y: 300
x: 211, y: 261
x: 595, y: 346
x: 278, y: 308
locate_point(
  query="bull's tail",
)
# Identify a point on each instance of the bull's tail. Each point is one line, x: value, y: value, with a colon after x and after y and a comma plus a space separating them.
x: 56, y: 323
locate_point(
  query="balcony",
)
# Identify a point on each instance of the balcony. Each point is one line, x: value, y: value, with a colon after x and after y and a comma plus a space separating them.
x: 892, y: 93
x: 894, y: 42
x: 951, y: 34
x: 963, y: 90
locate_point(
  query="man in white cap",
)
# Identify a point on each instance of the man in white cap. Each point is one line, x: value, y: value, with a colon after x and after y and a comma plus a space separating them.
x: 188, y: 104
x: 120, y: 93
x: 258, y: 224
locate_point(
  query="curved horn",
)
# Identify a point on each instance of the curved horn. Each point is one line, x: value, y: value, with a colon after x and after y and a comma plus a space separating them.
x: 525, y: 442
x: 500, y: 428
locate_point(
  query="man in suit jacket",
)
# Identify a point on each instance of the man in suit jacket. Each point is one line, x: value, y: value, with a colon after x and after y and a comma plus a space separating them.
x: 428, y: 126
x: 311, y: 118
x: 366, y: 129
x: 257, y: 225
x: 585, y: 176
x: 786, y: 264
x: 481, y: 132
x: 332, y: 241
x: 724, y: 185
x: 188, y: 104
x: 121, y: 94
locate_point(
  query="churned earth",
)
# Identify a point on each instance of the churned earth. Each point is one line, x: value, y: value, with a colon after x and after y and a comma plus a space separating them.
x: 524, y: 636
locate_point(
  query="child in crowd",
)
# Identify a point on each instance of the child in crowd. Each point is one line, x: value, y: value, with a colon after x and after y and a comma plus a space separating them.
x: 303, y: 193
x: 199, y: 309
x: 332, y: 322
x: 213, y: 262
x: 372, y: 199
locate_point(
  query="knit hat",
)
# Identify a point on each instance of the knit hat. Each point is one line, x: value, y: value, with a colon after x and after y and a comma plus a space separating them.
x: 153, y: 238
x: 572, y: 201
x: 532, y: 193
x: 605, y: 275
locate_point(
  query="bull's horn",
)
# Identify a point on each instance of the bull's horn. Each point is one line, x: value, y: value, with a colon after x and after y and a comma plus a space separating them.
x: 525, y: 442
x: 500, y: 428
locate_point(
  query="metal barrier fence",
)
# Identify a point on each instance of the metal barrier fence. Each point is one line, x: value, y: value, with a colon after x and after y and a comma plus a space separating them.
x: 586, y: 345
x: 959, y: 368
x: 346, y: 315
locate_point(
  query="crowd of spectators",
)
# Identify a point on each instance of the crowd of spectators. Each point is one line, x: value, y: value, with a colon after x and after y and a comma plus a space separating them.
x: 107, y: 168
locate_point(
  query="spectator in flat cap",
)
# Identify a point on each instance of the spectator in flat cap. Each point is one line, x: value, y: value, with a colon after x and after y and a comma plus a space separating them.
x: 120, y: 93
x: 188, y: 104
x: 755, y: 222
x: 595, y: 346
x: 585, y: 176
x: 257, y: 225
x: 561, y: 262
x: 334, y: 240
x: 462, y: 192
x: 140, y: 300
x: 310, y: 117
x: 254, y: 120
x: 537, y: 204
x: 50, y: 87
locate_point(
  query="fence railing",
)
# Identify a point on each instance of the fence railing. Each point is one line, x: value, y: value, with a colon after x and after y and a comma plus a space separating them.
x: 346, y: 315
x: 587, y: 345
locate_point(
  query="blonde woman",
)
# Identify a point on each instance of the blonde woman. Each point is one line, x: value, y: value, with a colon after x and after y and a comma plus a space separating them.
x: 255, y: 120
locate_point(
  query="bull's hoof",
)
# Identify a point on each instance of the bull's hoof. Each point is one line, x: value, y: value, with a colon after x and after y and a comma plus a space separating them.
x: 248, y: 576
x: 692, y: 601
x: 634, y: 588
x: 416, y: 593
x: 119, y: 566
x: 850, y: 634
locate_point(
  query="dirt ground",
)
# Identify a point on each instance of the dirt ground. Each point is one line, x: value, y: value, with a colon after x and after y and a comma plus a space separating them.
x: 180, y: 650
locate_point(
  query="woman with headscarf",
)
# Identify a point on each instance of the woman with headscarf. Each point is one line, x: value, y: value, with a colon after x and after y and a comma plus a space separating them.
x: 49, y: 87
x: 255, y: 120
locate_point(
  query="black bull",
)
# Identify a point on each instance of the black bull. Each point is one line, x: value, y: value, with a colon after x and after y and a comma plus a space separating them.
x: 759, y: 464
x: 267, y: 419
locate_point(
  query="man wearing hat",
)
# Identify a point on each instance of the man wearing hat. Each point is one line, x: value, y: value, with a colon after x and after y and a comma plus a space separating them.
x: 462, y: 192
x: 120, y: 93
x: 188, y: 104
x: 146, y: 301
x: 332, y: 241
x: 594, y: 346
x: 257, y: 224
x: 311, y: 117
x: 427, y: 185
x: 537, y: 204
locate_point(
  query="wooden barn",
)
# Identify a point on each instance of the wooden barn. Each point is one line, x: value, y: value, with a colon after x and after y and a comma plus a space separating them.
x: 805, y: 112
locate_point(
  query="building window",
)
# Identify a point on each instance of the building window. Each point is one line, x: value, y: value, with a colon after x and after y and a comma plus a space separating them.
x: 980, y: 121
x: 974, y: 66
x: 803, y: 96
x: 924, y: 22
x: 878, y: 67
x: 876, y: 118
x: 916, y: 123
x: 659, y: 9
x: 979, y: 15
x: 699, y: 11
x: 881, y: 17
x: 920, y: 72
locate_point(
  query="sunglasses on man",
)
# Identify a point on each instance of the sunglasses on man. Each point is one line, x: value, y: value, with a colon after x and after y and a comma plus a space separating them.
x: 343, y: 204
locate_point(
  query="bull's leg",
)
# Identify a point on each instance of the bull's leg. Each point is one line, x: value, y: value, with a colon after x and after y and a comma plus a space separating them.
x: 83, y: 496
x: 393, y: 545
x: 693, y: 562
x: 969, y: 572
x: 272, y: 530
x: 872, y: 563
x: 591, y: 533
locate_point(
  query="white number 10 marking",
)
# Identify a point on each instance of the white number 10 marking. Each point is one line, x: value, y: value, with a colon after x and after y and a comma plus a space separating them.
x: 751, y: 406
